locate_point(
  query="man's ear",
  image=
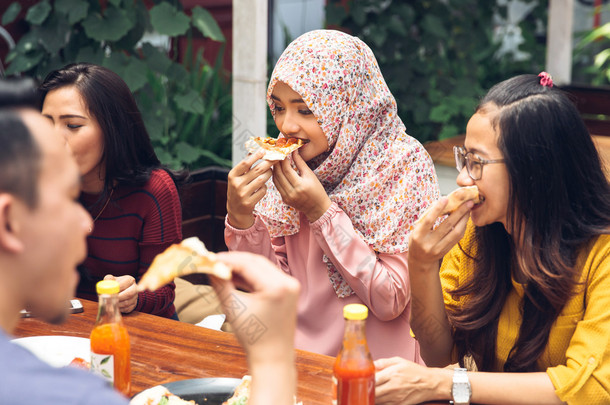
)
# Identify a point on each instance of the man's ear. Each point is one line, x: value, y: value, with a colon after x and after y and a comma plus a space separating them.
x: 10, y: 240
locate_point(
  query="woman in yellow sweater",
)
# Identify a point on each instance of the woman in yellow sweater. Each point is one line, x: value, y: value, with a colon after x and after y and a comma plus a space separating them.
x: 524, y: 297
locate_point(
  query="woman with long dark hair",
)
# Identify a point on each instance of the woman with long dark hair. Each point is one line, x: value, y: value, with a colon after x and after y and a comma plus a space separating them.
x: 133, y: 199
x: 523, y: 297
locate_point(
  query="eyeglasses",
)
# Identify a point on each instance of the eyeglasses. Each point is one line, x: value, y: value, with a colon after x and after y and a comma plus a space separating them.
x: 474, y: 164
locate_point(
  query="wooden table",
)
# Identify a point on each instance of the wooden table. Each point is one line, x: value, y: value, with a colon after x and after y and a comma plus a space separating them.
x: 163, y: 350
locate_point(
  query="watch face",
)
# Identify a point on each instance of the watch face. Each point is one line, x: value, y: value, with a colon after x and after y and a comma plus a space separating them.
x: 461, y: 392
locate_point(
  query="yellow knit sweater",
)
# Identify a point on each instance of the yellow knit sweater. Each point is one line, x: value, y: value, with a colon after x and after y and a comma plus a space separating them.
x: 577, y: 356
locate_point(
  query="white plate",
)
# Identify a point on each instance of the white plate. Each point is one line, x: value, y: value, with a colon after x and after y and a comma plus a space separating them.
x: 58, y: 351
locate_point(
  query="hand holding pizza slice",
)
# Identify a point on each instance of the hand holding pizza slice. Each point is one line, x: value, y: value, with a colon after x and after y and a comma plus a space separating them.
x: 456, y: 198
x: 459, y: 196
x: 275, y: 149
x: 188, y: 257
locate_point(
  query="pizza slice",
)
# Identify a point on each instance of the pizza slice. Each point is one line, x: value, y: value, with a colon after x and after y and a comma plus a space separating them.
x: 275, y: 149
x: 459, y: 196
x: 188, y: 257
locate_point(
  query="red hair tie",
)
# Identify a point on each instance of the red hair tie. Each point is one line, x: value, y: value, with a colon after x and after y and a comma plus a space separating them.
x: 545, y: 79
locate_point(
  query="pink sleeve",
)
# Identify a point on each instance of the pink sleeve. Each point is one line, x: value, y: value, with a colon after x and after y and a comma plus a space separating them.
x: 380, y: 280
x: 256, y: 239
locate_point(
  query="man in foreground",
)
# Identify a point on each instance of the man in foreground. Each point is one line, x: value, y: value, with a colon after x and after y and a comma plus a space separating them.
x: 43, y: 231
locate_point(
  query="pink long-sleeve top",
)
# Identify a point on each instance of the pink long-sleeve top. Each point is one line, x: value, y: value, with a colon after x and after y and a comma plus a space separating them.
x: 380, y: 281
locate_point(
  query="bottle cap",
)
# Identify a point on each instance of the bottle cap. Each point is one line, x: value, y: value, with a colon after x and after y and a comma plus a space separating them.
x: 107, y: 287
x: 355, y: 312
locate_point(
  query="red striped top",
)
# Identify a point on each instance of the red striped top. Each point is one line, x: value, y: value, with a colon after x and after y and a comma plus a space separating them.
x: 136, y: 225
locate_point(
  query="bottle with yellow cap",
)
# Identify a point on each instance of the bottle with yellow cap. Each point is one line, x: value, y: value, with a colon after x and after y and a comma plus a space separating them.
x: 110, y: 348
x: 354, y: 371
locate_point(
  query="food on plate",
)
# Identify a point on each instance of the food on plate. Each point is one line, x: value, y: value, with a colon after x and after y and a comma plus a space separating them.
x: 242, y: 393
x: 188, y: 257
x: 159, y: 395
x: 275, y: 149
x: 79, y: 362
x: 460, y: 196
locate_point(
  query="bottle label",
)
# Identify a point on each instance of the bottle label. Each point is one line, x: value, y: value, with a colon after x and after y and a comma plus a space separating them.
x: 103, y: 365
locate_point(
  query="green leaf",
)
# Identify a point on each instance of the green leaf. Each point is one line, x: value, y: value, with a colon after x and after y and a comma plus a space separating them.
x: 602, y: 57
x: 440, y: 114
x: 76, y: 10
x: 139, y: 16
x: 602, y: 31
x: 206, y: 24
x: 164, y: 401
x: 105, y: 373
x: 164, y: 156
x: 52, y: 35
x: 105, y: 360
x: 38, y: 13
x: 27, y: 43
x: 215, y: 158
x: 22, y: 63
x: 91, y: 55
x: 133, y: 74
x: 448, y: 131
x: 187, y: 153
x: 156, y: 60
x: 167, y: 20
x: 112, y: 26
x: 190, y: 102
x: 11, y: 13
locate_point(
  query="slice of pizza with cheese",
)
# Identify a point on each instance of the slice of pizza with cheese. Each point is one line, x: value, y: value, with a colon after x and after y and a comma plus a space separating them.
x: 459, y: 196
x: 188, y: 257
x: 275, y: 149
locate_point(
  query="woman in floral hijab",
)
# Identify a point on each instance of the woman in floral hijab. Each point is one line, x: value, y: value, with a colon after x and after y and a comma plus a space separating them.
x: 338, y: 215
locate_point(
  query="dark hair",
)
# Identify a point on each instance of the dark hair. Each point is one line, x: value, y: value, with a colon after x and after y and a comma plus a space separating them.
x: 559, y: 200
x: 128, y: 152
x: 18, y: 92
x: 20, y: 158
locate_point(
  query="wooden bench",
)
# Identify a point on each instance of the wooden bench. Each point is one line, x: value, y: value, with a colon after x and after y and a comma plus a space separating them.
x: 204, y: 200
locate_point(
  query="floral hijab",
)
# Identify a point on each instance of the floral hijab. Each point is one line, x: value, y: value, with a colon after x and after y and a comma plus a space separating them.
x: 379, y: 176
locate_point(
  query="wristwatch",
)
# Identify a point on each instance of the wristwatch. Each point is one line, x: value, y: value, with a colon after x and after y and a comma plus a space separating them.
x: 460, y: 390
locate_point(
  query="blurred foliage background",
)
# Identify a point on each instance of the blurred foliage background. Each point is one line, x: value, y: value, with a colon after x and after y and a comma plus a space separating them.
x: 186, y: 104
x: 439, y: 57
x: 591, y: 57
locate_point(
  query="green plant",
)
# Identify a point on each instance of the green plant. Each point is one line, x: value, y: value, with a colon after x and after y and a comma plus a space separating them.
x: 592, y: 56
x: 186, y: 105
x: 438, y: 57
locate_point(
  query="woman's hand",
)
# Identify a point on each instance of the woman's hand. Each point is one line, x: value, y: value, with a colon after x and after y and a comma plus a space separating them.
x: 128, y: 294
x: 399, y: 381
x: 245, y: 188
x: 427, y: 245
x: 303, y: 191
